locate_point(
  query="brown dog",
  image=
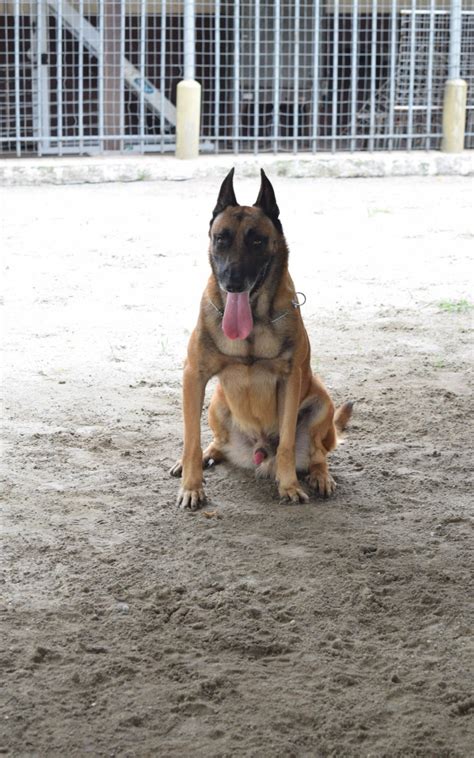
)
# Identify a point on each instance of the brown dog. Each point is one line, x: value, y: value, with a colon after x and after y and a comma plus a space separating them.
x: 269, y: 411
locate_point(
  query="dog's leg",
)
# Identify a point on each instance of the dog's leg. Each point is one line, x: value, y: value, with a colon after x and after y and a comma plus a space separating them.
x: 319, y: 478
x: 288, y: 486
x: 191, y: 494
x: 323, y: 439
x: 219, y: 419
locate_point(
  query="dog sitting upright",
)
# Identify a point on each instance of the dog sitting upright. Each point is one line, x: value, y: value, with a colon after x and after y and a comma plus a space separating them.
x: 269, y: 411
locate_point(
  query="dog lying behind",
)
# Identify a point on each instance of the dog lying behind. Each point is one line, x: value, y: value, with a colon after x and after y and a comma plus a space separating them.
x: 268, y: 411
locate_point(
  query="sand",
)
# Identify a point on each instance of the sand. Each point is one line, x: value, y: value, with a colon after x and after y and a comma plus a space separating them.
x: 338, y: 628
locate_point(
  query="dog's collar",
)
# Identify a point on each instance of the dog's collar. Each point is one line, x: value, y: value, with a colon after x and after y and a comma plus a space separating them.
x: 295, y: 303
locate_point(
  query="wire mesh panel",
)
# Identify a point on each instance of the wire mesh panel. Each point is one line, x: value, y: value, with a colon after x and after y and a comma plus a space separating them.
x: 89, y: 76
x: 85, y: 76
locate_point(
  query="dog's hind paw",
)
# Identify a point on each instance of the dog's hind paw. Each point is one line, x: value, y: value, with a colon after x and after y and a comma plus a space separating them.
x: 177, y: 469
x: 293, y: 494
x: 191, y: 500
x: 322, y: 483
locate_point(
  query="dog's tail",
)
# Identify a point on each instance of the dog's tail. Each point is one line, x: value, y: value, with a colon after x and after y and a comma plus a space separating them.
x: 343, y: 416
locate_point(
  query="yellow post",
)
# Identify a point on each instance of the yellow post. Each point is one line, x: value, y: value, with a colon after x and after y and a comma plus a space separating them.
x: 454, y: 116
x: 188, y: 118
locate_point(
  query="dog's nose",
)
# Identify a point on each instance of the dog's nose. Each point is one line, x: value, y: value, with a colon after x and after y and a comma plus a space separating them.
x: 234, y: 281
x: 235, y: 287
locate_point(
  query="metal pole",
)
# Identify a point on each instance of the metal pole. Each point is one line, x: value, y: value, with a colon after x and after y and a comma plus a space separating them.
x: 142, y: 73
x: 373, y: 75
x: 217, y: 75
x: 39, y: 93
x: 163, y: 71
x: 354, y: 73
x: 454, y: 67
x: 188, y: 101
x: 80, y: 93
x: 335, y: 76
x: 59, y: 69
x: 393, y: 61
x: 45, y: 117
x: 256, y: 73
x: 455, y: 91
x: 16, y: 22
x: 296, y: 79
x: 101, y: 76
x: 411, y: 81
x: 316, y: 35
x: 236, y: 101
x: 122, y: 77
x: 276, y: 72
x: 189, y: 39
x: 429, y: 98
x: 112, y: 73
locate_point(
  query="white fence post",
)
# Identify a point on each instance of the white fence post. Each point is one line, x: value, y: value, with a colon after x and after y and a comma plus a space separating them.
x: 188, y: 96
x: 455, y: 91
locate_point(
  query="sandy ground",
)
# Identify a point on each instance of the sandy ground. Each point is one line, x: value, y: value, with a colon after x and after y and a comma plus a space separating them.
x: 338, y: 628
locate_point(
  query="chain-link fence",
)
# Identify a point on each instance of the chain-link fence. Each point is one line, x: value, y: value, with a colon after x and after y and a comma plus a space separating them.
x: 88, y: 76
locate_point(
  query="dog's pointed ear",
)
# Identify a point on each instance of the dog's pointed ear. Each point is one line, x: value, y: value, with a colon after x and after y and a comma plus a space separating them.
x: 226, y: 195
x: 266, y: 200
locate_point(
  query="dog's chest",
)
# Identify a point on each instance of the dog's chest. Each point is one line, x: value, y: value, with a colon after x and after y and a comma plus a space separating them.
x: 250, y: 380
x: 263, y: 348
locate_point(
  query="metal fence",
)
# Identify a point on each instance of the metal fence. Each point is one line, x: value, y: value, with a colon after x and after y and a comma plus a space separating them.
x: 88, y: 76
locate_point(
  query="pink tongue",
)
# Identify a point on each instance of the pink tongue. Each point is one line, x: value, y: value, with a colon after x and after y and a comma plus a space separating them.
x: 237, y: 322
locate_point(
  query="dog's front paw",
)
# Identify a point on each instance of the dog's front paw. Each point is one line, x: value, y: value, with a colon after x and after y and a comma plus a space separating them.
x: 191, y: 500
x: 177, y: 469
x: 322, y: 483
x: 292, y: 494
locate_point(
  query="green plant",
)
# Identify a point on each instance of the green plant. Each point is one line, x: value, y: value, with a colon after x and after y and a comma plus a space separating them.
x: 455, y: 306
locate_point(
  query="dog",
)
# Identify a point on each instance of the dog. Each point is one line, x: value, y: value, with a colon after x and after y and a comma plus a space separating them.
x: 269, y: 411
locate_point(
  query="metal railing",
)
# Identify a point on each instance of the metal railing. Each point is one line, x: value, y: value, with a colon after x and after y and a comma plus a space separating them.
x: 89, y: 76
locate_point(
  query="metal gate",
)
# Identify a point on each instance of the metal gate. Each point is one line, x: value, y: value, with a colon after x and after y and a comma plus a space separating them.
x: 90, y: 76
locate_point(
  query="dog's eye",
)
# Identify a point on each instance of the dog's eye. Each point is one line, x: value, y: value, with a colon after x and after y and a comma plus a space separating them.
x: 257, y: 243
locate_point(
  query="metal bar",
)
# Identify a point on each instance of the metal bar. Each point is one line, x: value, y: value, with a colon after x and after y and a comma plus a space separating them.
x: 296, y: 71
x: 393, y: 63
x: 16, y: 31
x: 163, y: 71
x: 454, y: 68
x: 80, y: 93
x: 373, y: 74
x: 45, y: 117
x: 335, y: 72
x: 73, y: 138
x: 39, y: 93
x: 142, y: 71
x: 59, y: 70
x: 123, y: 22
x: 354, y: 72
x: 411, y: 86
x: 101, y: 76
x: 439, y: 12
x: 236, y: 98
x: 189, y: 39
x: 316, y: 33
x: 112, y: 68
x: 151, y: 139
x: 276, y: 69
x: 256, y: 97
x: 217, y: 75
x: 429, y: 99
